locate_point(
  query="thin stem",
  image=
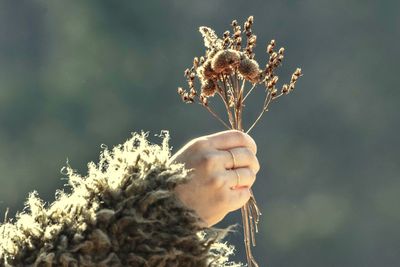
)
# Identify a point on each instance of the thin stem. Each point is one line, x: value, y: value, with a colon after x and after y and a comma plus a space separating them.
x: 245, y: 218
x: 251, y: 89
x: 228, y: 85
x: 236, y: 106
x: 249, y: 219
x: 224, y: 100
x: 265, y: 108
x: 216, y: 116
x: 235, y: 89
x: 231, y: 119
x: 277, y: 96
x: 242, y: 86
x: 250, y: 211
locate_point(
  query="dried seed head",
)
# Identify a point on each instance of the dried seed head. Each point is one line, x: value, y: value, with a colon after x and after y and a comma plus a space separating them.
x: 297, y: 72
x: 180, y: 90
x: 285, y: 89
x: 281, y: 51
x: 270, y: 47
x: 250, y: 20
x: 211, y: 40
x: 224, y: 60
x: 202, y: 60
x: 204, y: 100
x: 187, y: 72
x: 247, y: 26
x: 205, y: 72
x: 208, y: 88
x: 295, y: 75
x: 195, y: 62
x: 211, y: 53
x: 234, y: 23
x: 193, y: 92
x: 187, y: 98
x: 275, y: 80
x: 252, y: 39
x: 237, y: 33
x: 249, y: 69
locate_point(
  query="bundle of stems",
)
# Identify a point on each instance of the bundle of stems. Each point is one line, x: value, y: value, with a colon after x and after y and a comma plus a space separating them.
x: 225, y: 69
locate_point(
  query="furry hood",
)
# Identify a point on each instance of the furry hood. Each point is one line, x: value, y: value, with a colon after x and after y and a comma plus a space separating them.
x: 122, y: 213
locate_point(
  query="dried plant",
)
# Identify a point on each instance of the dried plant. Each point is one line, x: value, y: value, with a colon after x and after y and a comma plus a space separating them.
x: 227, y: 67
x: 122, y: 213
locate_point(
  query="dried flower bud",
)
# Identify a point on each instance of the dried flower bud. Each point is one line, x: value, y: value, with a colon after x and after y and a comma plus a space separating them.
x: 195, y: 62
x: 208, y: 88
x: 205, y: 72
x: 281, y: 51
x: 186, y: 97
x: 211, y: 53
x: 201, y: 60
x: 250, y: 19
x: 285, y: 89
x: 180, y: 90
x: 237, y: 33
x: 274, y: 93
x: 246, y: 26
x: 224, y: 60
x: 249, y: 69
x: 187, y: 72
x: 226, y: 34
x: 252, y: 39
x: 296, y: 75
x: 234, y: 23
x: 270, y: 49
x: 204, y: 100
x: 275, y: 80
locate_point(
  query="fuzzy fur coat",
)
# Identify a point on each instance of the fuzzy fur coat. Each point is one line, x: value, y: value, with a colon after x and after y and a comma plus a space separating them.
x: 122, y: 213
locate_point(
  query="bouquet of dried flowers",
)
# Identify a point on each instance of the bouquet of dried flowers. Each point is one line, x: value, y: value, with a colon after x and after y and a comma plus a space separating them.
x: 226, y: 68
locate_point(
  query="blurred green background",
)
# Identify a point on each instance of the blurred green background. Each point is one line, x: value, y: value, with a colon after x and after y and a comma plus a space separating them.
x: 77, y: 74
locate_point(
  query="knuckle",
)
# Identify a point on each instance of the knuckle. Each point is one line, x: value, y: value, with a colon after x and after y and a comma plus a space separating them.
x: 215, y: 182
x: 253, y: 161
x: 240, y: 136
x: 255, y: 147
x: 207, y: 161
x: 252, y: 177
x: 256, y: 165
x: 199, y: 143
x: 246, y: 140
x: 251, y: 143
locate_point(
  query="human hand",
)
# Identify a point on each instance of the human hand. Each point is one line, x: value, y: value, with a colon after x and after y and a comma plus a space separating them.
x: 214, y: 188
